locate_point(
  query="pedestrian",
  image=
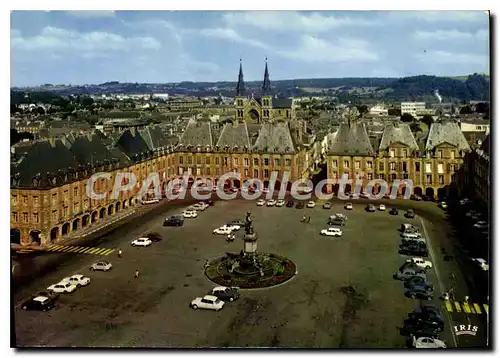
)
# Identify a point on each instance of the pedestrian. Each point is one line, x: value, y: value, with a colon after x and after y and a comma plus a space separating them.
x: 304, y: 219
x: 466, y: 299
x: 136, y: 273
x: 120, y: 253
x: 308, y: 219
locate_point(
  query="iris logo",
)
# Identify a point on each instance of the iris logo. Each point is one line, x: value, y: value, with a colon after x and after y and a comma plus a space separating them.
x: 465, y: 329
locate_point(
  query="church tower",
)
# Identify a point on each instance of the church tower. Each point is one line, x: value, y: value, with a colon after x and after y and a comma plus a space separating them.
x: 267, y: 97
x: 240, y: 95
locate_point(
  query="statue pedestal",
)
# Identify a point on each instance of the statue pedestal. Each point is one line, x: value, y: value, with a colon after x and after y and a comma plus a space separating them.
x: 250, y: 246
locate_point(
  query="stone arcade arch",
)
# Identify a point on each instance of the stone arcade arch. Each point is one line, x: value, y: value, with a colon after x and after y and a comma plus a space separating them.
x: 124, y: 204
x: 266, y: 184
x: 418, y: 191
x: 236, y: 183
x: 277, y: 185
x: 85, y: 220
x: 102, y: 213
x: 335, y: 189
x: 65, y: 229
x: 15, y: 236
x: 131, y: 202
x: 35, y: 237
x: 442, y: 193
x: 54, y: 233
x: 429, y: 192
x: 93, y: 218
x: 110, y: 209
x: 117, y: 207
x: 289, y: 187
x: 76, y: 225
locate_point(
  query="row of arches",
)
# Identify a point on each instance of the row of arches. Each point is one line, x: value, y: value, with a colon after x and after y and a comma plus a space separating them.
x: 82, y: 222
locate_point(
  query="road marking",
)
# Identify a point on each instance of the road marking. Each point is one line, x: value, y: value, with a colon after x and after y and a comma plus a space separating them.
x: 485, y: 306
x: 65, y: 249
x: 75, y: 248
x: 82, y: 249
x: 466, y: 307
x: 448, y: 305
x: 477, y: 308
x: 54, y: 248
x: 107, y: 252
x: 435, y: 268
x: 458, y: 307
x: 87, y: 249
x: 99, y: 252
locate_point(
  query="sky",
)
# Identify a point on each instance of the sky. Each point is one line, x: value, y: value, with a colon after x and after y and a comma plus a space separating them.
x: 90, y: 47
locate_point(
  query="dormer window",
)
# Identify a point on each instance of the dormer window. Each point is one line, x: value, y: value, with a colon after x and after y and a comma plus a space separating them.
x: 235, y: 148
x: 245, y: 148
x: 198, y: 148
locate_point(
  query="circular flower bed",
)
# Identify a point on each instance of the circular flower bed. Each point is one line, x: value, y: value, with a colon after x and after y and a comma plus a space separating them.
x: 275, y: 270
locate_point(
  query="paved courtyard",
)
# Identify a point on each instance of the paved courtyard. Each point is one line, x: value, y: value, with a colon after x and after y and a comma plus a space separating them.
x: 343, y: 296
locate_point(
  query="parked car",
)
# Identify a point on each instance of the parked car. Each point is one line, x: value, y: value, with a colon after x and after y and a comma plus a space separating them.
x: 101, y: 266
x: 370, y: 208
x: 280, y: 203
x: 174, y: 220
x: 49, y: 294
x: 233, y: 226
x: 428, y: 315
x: 419, y: 292
x: 483, y: 264
x: 394, y: 211
x: 208, y: 202
x: 38, y: 303
x: 271, y: 202
x: 420, y: 262
x: 62, y: 287
x: 410, y: 214
x: 225, y: 293
x: 443, y: 205
x: 77, y: 280
x: 189, y: 214
x: 300, y: 205
x: 239, y: 223
x: 223, y: 230
x: 348, y: 206
x: 154, y: 236
x: 327, y: 205
x: 337, y: 219
x: 418, y: 330
x: 198, y: 207
x: 142, y: 241
x: 417, y: 281
x: 381, y: 207
x: 412, y: 250
x: 481, y: 225
x: 290, y: 204
x: 203, y: 205
x: 428, y: 342
x: 261, y: 202
x: 332, y: 231
x: 409, y: 272
x: 311, y: 204
x: 409, y: 228
x: 208, y: 302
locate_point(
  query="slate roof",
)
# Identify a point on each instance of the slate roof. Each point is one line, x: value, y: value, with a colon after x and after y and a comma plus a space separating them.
x: 234, y: 135
x: 398, y: 133
x: 89, y: 149
x: 197, y: 134
x: 253, y: 132
x: 155, y: 137
x: 275, y: 138
x: 446, y: 132
x: 350, y: 140
x: 132, y: 143
x: 42, y: 158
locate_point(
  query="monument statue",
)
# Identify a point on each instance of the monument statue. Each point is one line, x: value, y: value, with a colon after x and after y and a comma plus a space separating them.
x: 248, y: 224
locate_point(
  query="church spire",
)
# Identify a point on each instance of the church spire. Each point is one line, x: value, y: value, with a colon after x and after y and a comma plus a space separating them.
x: 266, y: 86
x: 240, y: 87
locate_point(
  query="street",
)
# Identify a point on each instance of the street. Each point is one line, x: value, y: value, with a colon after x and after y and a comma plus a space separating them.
x: 344, y: 295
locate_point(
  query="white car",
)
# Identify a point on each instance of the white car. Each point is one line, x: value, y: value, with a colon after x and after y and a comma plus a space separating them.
x: 420, y: 262
x: 348, y: 206
x: 261, y: 202
x: 481, y: 225
x: 427, y: 342
x: 190, y: 214
x: 311, y: 204
x: 333, y: 231
x: 381, y: 207
x: 482, y: 263
x: 271, y: 202
x: 142, y: 241
x: 203, y: 205
x: 62, y: 287
x: 101, y: 266
x: 232, y: 227
x: 280, y: 203
x: 77, y: 280
x: 197, y: 207
x: 224, y: 230
x: 208, y: 302
x: 443, y: 205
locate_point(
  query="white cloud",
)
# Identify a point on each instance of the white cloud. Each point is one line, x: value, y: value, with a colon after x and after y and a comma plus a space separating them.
x: 441, y: 16
x: 57, y: 39
x: 292, y: 21
x: 450, y: 35
x: 315, y: 50
x: 88, y: 14
x: 449, y: 58
x: 232, y: 36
